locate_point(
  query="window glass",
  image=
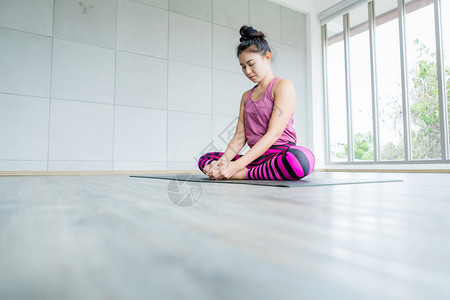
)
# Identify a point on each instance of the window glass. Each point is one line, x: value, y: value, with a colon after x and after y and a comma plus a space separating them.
x: 389, y: 80
x: 337, y: 119
x: 445, y: 12
x: 360, y: 84
x: 421, y: 76
x: 422, y: 80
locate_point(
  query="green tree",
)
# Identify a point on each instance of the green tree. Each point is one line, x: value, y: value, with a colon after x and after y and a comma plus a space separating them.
x: 363, y: 146
x: 424, y: 111
x: 392, y: 151
x: 424, y: 104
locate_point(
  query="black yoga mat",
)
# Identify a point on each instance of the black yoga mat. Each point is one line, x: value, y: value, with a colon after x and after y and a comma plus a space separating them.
x: 312, y: 180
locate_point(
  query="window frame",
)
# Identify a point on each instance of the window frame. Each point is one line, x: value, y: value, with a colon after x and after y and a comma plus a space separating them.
x: 343, y: 9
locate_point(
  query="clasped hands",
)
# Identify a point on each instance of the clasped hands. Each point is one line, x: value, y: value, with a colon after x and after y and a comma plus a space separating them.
x: 219, y: 169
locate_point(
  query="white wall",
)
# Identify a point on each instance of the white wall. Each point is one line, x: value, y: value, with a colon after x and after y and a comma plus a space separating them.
x: 132, y: 85
x: 314, y: 72
x: 322, y: 5
x: 303, y: 6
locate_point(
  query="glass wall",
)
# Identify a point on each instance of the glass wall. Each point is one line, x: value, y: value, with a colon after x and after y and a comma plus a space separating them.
x: 401, y: 122
x: 445, y: 13
x: 389, y: 80
x: 337, y: 119
x: 361, y: 84
x: 422, y: 80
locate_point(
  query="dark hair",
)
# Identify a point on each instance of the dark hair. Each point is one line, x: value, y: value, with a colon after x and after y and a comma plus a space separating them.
x: 252, y: 40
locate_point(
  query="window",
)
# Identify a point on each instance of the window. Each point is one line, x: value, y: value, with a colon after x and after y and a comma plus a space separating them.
x: 360, y: 85
x: 445, y: 12
x: 336, y: 91
x: 383, y: 90
x: 422, y: 80
x: 389, y: 81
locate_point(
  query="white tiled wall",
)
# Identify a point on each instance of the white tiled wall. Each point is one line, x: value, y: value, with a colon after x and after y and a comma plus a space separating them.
x: 142, y: 28
x: 133, y: 141
x: 190, y: 40
x: 25, y: 61
x: 30, y: 16
x: 226, y: 100
x: 224, y: 49
x: 82, y: 72
x: 268, y: 17
x: 24, y: 127
x: 190, y: 88
x: 231, y: 13
x: 141, y: 80
x: 80, y: 131
x: 91, y: 22
x: 132, y: 84
x: 199, y: 9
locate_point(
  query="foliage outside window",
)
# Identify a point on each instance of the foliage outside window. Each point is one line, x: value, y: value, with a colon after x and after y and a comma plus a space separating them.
x: 423, y: 95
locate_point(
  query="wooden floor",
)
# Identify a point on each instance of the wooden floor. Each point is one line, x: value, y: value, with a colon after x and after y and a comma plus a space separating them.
x: 115, y: 237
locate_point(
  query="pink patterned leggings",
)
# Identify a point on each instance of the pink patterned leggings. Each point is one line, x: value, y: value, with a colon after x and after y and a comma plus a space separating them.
x: 279, y: 162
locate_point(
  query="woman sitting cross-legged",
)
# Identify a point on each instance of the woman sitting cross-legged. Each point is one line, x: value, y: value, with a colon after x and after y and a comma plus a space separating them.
x: 265, y: 124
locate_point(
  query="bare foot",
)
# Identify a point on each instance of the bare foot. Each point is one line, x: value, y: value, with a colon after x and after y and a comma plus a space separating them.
x: 240, y: 174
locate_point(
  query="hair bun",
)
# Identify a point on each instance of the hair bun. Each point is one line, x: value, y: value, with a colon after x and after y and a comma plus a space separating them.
x: 248, y: 33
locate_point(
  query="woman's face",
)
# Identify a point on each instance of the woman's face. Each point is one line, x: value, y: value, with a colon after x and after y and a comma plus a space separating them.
x: 254, y: 65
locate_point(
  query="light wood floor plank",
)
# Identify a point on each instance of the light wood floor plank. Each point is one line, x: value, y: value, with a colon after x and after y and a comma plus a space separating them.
x: 116, y: 237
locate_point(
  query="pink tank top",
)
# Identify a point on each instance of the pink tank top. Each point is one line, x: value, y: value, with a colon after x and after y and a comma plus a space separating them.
x: 257, y: 116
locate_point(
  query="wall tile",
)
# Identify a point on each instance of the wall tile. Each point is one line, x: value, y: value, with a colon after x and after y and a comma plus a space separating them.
x: 302, y: 135
x: 294, y: 65
x: 23, y: 127
x: 266, y: 17
x: 79, y: 165
x: 223, y: 131
x: 225, y: 43
x: 140, y: 165
x: 142, y: 29
x: 156, y: 3
x: 277, y: 58
x: 89, y: 21
x: 81, y: 131
x: 140, y: 134
x: 301, y: 105
x: 82, y: 72
x: 227, y: 92
x: 231, y: 13
x: 294, y: 28
x: 179, y: 165
x: 23, y: 165
x: 183, y: 60
x: 189, y: 135
x: 190, y: 88
x: 190, y: 40
x: 25, y: 61
x: 141, y: 80
x: 31, y: 16
x: 200, y: 9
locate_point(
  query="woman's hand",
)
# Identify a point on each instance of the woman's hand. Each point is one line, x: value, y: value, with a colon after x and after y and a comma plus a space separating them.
x: 210, y: 167
x: 223, y: 170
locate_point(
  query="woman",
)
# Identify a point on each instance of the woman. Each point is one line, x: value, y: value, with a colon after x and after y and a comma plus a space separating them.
x: 265, y: 123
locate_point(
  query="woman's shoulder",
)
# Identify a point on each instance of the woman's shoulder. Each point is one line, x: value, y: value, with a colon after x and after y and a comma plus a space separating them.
x: 282, y: 85
x: 245, y: 94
